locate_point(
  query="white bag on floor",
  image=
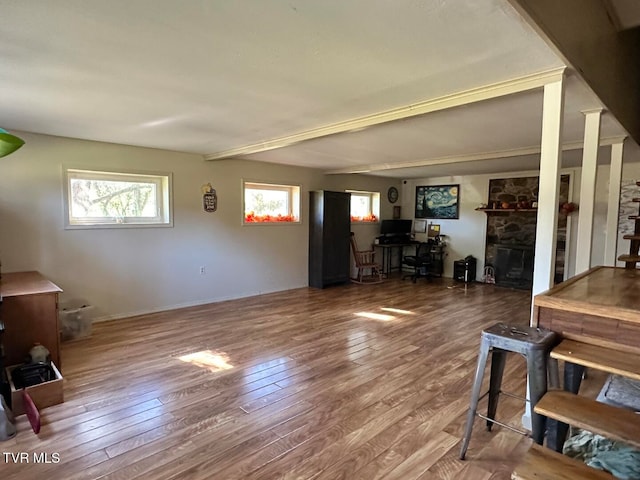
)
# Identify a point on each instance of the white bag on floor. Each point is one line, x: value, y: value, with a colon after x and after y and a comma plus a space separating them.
x: 7, y: 427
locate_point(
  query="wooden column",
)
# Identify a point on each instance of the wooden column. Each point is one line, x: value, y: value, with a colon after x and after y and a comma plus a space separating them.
x: 549, y: 186
x: 588, y: 189
x: 613, y: 205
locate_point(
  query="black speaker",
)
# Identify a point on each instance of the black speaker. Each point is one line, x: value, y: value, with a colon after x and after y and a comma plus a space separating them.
x: 465, y: 270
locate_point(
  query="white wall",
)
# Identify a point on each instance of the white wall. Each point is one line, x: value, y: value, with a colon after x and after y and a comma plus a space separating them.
x: 466, y: 235
x: 128, y: 271
x: 124, y: 272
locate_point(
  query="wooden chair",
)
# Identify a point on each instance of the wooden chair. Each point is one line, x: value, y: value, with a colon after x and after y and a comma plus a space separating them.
x: 368, y: 270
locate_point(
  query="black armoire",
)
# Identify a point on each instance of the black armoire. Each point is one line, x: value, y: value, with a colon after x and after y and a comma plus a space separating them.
x: 329, y: 230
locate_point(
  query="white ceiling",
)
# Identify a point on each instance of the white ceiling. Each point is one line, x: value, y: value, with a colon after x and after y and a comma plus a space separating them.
x: 208, y: 76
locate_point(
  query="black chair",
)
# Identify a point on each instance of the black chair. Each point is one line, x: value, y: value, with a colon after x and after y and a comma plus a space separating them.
x: 420, y: 262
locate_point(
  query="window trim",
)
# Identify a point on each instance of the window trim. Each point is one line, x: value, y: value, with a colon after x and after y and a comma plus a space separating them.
x: 295, y: 203
x: 163, y: 180
x: 374, y: 197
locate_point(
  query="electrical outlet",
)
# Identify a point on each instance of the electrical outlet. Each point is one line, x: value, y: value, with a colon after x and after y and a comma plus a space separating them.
x: 202, y: 270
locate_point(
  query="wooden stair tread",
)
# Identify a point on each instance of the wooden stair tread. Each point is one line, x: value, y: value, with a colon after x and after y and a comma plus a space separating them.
x: 631, y: 237
x: 601, y: 358
x: 629, y: 258
x: 597, y: 417
x: 634, y: 217
x: 541, y: 463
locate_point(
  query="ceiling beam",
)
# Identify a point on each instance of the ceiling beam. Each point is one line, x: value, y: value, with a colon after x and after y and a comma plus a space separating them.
x: 486, y: 92
x: 473, y: 157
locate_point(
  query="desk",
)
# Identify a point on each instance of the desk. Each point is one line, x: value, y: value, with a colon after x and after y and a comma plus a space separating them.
x: 437, y: 257
x: 387, y: 253
x: 29, y: 311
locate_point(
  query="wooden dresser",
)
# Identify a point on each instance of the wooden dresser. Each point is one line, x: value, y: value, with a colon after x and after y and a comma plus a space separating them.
x: 30, y: 313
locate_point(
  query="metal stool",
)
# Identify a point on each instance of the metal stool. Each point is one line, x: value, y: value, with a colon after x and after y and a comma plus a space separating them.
x: 534, y: 344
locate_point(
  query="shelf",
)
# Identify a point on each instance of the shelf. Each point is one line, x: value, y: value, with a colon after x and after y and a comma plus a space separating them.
x: 506, y: 210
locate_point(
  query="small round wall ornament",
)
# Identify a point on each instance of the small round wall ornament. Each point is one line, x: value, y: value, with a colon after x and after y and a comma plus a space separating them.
x: 392, y: 194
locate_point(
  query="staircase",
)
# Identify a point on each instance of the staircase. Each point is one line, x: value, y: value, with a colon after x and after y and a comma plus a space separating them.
x: 634, y: 249
x: 612, y: 422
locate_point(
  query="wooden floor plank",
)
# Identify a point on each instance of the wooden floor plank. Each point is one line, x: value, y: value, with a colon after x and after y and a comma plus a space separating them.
x: 313, y: 389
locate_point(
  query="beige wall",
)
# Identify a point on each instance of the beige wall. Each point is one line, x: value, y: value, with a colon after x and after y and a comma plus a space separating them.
x: 128, y: 271
x: 139, y: 270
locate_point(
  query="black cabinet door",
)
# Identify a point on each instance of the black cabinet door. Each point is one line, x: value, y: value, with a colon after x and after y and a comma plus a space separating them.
x: 329, y: 229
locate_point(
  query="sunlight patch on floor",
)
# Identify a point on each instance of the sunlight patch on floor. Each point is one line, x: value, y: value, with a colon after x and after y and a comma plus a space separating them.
x: 213, y: 361
x: 397, y: 310
x: 375, y: 316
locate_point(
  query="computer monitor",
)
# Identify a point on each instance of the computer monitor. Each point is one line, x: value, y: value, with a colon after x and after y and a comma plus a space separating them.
x: 395, y: 227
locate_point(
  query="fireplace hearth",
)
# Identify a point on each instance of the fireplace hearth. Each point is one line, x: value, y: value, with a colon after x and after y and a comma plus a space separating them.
x: 513, y: 266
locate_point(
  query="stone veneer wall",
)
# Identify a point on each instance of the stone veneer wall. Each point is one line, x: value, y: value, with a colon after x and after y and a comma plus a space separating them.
x: 519, y: 228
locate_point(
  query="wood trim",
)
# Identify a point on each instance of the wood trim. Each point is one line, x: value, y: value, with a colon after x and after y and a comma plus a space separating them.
x: 499, y: 89
x: 472, y: 157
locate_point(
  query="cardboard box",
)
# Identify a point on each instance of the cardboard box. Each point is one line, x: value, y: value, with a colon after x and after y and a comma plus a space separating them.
x: 43, y: 395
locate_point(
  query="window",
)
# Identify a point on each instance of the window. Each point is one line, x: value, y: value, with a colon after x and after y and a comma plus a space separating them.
x: 116, y: 199
x: 270, y: 203
x: 365, y: 206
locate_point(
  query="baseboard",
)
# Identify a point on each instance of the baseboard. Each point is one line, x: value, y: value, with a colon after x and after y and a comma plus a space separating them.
x: 177, y: 306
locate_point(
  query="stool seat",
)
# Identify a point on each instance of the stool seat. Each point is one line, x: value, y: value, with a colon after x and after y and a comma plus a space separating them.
x: 534, y: 344
x: 519, y: 339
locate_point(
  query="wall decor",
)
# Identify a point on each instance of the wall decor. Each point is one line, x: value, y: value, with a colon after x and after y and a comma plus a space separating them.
x: 437, y: 201
x: 419, y: 226
x: 397, y: 212
x: 628, y: 190
x: 392, y: 194
x: 209, y: 198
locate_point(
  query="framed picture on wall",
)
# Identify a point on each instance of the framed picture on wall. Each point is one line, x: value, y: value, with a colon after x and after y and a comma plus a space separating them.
x: 438, y: 202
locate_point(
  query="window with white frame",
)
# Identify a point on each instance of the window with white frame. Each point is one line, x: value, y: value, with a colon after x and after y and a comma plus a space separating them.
x: 98, y: 198
x: 271, y: 203
x: 365, y: 206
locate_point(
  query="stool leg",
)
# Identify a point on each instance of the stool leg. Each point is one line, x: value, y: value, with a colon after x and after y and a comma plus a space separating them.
x: 537, y: 370
x: 554, y: 373
x: 498, y: 359
x: 475, y: 396
x: 558, y: 430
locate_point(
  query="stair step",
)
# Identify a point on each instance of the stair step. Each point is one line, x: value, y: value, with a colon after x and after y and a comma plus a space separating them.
x: 634, y: 217
x: 631, y: 237
x: 629, y: 258
x: 541, y: 463
x: 601, y: 358
x: 611, y: 422
x: 636, y: 199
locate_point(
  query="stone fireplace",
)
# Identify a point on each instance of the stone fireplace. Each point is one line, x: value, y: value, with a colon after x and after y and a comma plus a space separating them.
x: 511, y: 235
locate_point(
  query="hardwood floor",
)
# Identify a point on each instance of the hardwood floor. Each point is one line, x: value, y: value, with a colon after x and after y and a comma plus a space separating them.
x: 351, y: 382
